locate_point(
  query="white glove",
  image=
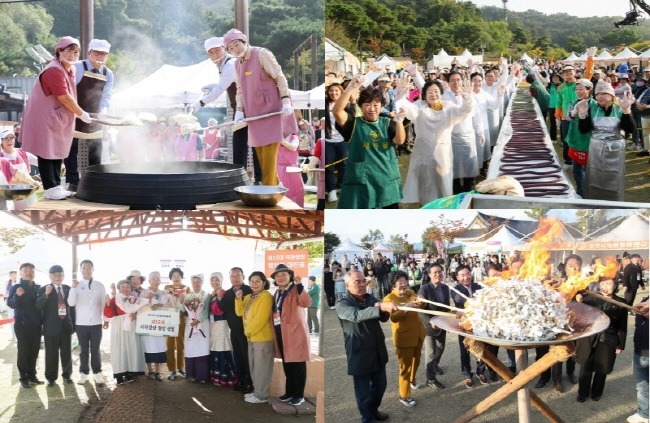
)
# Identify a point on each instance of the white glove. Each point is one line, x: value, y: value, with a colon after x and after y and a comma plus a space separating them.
x: 85, y: 117
x: 196, y: 106
x: 239, y: 116
x: 311, y: 164
x: 481, y: 139
x: 287, y: 109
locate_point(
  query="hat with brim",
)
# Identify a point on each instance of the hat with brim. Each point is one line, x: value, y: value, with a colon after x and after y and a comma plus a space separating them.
x: 65, y: 42
x: 623, y: 76
x: 603, y: 87
x: 135, y: 274
x: 5, y: 133
x: 281, y: 268
x: 585, y: 83
x: 640, y: 75
x: 568, y: 68
x: 383, y: 78
x: 646, y: 69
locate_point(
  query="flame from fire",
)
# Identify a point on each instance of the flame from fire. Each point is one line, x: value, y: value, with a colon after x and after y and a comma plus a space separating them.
x: 537, y: 266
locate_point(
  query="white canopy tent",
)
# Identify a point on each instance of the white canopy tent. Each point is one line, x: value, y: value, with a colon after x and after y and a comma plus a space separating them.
x: 626, y: 54
x: 339, y: 59
x: 177, y: 86
x: 349, y: 248
x: 444, y: 60
x: 571, y: 58
x: 526, y: 58
x: 645, y: 54
x: 631, y: 234
x: 384, y: 249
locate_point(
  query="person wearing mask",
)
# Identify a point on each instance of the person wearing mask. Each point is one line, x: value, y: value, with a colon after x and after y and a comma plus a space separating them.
x: 226, y: 67
x: 88, y: 297
x: 238, y: 338
x: 49, y: 116
x: 94, y: 91
x: 257, y: 70
x: 58, y: 326
x: 27, y: 324
x: 360, y: 315
x: 434, y: 342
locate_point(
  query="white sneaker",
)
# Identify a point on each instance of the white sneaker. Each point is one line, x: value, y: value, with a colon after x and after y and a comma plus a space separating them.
x: 99, y: 379
x: 56, y: 193
x: 82, y: 379
x: 254, y: 400
x: 250, y: 394
x: 331, y: 197
x: 635, y: 418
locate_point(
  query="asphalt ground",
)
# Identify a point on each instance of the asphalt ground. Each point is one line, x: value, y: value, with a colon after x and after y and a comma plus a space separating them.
x: 442, y: 406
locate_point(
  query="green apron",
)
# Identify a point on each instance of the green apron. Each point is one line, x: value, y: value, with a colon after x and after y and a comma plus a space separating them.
x: 372, y: 179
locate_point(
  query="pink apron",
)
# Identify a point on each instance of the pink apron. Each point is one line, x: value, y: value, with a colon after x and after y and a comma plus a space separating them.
x: 48, y: 126
x: 291, y: 181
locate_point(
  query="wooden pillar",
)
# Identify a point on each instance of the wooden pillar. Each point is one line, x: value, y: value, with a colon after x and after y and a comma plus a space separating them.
x: 87, y: 20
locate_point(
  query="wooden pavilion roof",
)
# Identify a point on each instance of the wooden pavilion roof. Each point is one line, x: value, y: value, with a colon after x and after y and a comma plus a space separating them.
x: 81, y: 227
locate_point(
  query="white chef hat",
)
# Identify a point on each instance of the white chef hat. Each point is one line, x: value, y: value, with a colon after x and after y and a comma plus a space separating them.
x: 99, y: 45
x: 213, y: 42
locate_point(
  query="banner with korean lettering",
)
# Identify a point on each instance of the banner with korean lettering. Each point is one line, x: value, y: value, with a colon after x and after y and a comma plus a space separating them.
x: 161, y: 322
x: 296, y: 260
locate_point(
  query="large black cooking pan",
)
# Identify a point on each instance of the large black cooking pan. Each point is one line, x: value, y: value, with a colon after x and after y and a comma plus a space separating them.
x: 165, y: 186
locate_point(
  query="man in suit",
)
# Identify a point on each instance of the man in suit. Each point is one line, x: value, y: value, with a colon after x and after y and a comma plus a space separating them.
x: 632, y: 278
x: 434, y: 342
x: 27, y: 324
x: 467, y: 287
x: 236, y: 325
x: 57, y: 326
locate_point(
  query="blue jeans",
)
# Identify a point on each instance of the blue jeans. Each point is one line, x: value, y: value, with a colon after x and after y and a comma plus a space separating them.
x: 369, y: 391
x: 640, y: 373
x: 579, y: 176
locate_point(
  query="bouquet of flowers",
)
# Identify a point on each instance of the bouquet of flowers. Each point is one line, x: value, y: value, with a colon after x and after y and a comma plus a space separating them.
x: 194, y: 306
x: 130, y: 305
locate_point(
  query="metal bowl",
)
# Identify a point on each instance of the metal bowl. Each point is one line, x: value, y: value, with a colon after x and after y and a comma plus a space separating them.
x: 588, y: 321
x: 261, y: 195
x: 16, y: 191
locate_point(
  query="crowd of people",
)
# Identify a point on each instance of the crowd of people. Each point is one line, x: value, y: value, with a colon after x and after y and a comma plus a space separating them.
x: 226, y: 337
x: 458, y: 278
x: 448, y: 120
x: 66, y: 113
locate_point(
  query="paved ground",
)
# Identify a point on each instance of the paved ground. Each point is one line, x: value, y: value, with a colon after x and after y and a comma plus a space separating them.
x: 144, y: 401
x: 618, y: 401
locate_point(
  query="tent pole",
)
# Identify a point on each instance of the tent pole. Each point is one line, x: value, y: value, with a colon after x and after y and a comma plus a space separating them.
x: 75, y: 264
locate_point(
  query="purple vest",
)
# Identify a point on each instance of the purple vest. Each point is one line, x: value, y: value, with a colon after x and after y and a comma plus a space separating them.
x: 260, y: 96
x: 48, y: 126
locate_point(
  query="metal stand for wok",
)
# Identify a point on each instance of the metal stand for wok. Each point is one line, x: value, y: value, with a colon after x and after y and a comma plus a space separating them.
x: 587, y: 321
x: 525, y: 374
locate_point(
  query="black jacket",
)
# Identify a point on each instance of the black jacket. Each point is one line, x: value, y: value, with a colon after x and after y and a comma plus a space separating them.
x: 364, y: 339
x: 428, y: 293
x: 25, y: 305
x: 52, y: 323
x: 460, y: 301
x: 235, y: 323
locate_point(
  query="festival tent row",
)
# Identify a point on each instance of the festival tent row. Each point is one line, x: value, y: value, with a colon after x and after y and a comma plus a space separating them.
x: 177, y: 86
x: 606, y: 57
x: 444, y: 60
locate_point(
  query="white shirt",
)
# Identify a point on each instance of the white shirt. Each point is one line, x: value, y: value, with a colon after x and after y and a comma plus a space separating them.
x: 88, y: 302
